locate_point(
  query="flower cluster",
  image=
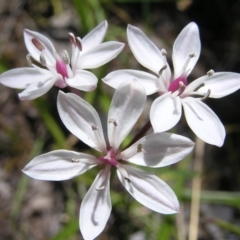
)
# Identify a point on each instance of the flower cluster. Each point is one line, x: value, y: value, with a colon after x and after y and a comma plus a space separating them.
x: 155, y: 150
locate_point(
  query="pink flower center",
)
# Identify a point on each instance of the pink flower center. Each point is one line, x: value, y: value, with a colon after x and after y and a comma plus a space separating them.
x: 178, y: 84
x: 109, y: 158
x: 61, y: 68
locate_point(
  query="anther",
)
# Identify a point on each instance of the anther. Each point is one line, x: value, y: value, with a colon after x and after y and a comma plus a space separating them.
x: 75, y: 160
x: 162, y: 69
x: 111, y: 120
x: 72, y: 38
x: 210, y: 73
x: 140, y: 148
x: 206, y: 95
x: 42, y: 59
x: 65, y: 57
x: 127, y: 179
x: 37, y: 44
x: 164, y: 52
x: 29, y: 61
x: 94, y: 128
x: 79, y: 43
x: 100, y: 188
x: 192, y: 54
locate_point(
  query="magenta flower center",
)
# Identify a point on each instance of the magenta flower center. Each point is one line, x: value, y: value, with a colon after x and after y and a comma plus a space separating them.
x: 178, y: 84
x: 61, y: 68
x: 109, y: 158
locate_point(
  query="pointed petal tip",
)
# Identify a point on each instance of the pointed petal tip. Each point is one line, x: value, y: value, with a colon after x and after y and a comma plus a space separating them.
x: 28, y: 31
x: 220, y: 142
x: 61, y: 95
x: 192, y: 25
x: 23, y: 98
x: 61, y: 92
x: 130, y: 26
x: 122, y: 44
x: 25, y: 30
x: 105, y: 23
x: 93, y: 87
x: 177, y: 207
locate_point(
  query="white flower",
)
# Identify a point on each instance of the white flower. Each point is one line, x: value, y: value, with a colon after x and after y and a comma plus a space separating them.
x: 154, y: 150
x: 87, y: 53
x: 167, y: 109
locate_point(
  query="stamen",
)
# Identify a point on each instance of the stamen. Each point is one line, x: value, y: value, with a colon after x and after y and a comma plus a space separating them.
x: 37, y: 44
x: 164, y: 52
x: 94, y: 128
x: 140, y: 148
x: 162, y: 69
x: 72, y: 38
x: 182, y: 87
x: 206, y: 95
x: 210, y: 73
x: 42, y: 60
x: 75, y: 160
x: 65, y: 57
x: 111, y: 120
x: 79, y: 43
x: 29, y: 61
x: 100, y: 188
x: 192, y: 54
x: 127, y: 179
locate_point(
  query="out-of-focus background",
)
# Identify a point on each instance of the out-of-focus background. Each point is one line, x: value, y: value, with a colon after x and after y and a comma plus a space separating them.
x: 40, y: 210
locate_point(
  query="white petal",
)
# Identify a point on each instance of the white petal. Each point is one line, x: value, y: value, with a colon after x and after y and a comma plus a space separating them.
x: 59, y: 165
x: 99, y: 55
x: 221, y: 84
x: 81, y: 119
x: 38, y: 88
x: 144, y: 50
x: 83, y: 80
x: 95, y: 37
x: 49, y: 49
x: 165, y: 112
x: 21, y: 77
x: 149, y: 190
x: 96, y: 206
x: 158, y: 150
x: 126, y: 107
x: 149, y: 81
x: 187, y: 42
x: 203, y: 121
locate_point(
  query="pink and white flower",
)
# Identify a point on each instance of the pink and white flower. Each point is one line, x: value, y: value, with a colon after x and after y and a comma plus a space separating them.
x: 154, y: 150
x: 87, y: 53
x: 174, y: 92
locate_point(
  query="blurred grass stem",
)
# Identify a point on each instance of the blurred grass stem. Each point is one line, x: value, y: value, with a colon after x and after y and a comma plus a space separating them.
x: 196, y: 189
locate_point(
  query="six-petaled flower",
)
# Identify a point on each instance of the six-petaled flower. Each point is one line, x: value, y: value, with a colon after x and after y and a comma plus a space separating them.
x: 87, y: 53
x: 174, y: 92
x: 153, y: 150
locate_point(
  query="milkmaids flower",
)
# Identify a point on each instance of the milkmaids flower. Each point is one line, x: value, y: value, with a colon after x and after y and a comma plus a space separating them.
x: 153, y: 150
x: 87, y: 53
x: 174, y: 92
